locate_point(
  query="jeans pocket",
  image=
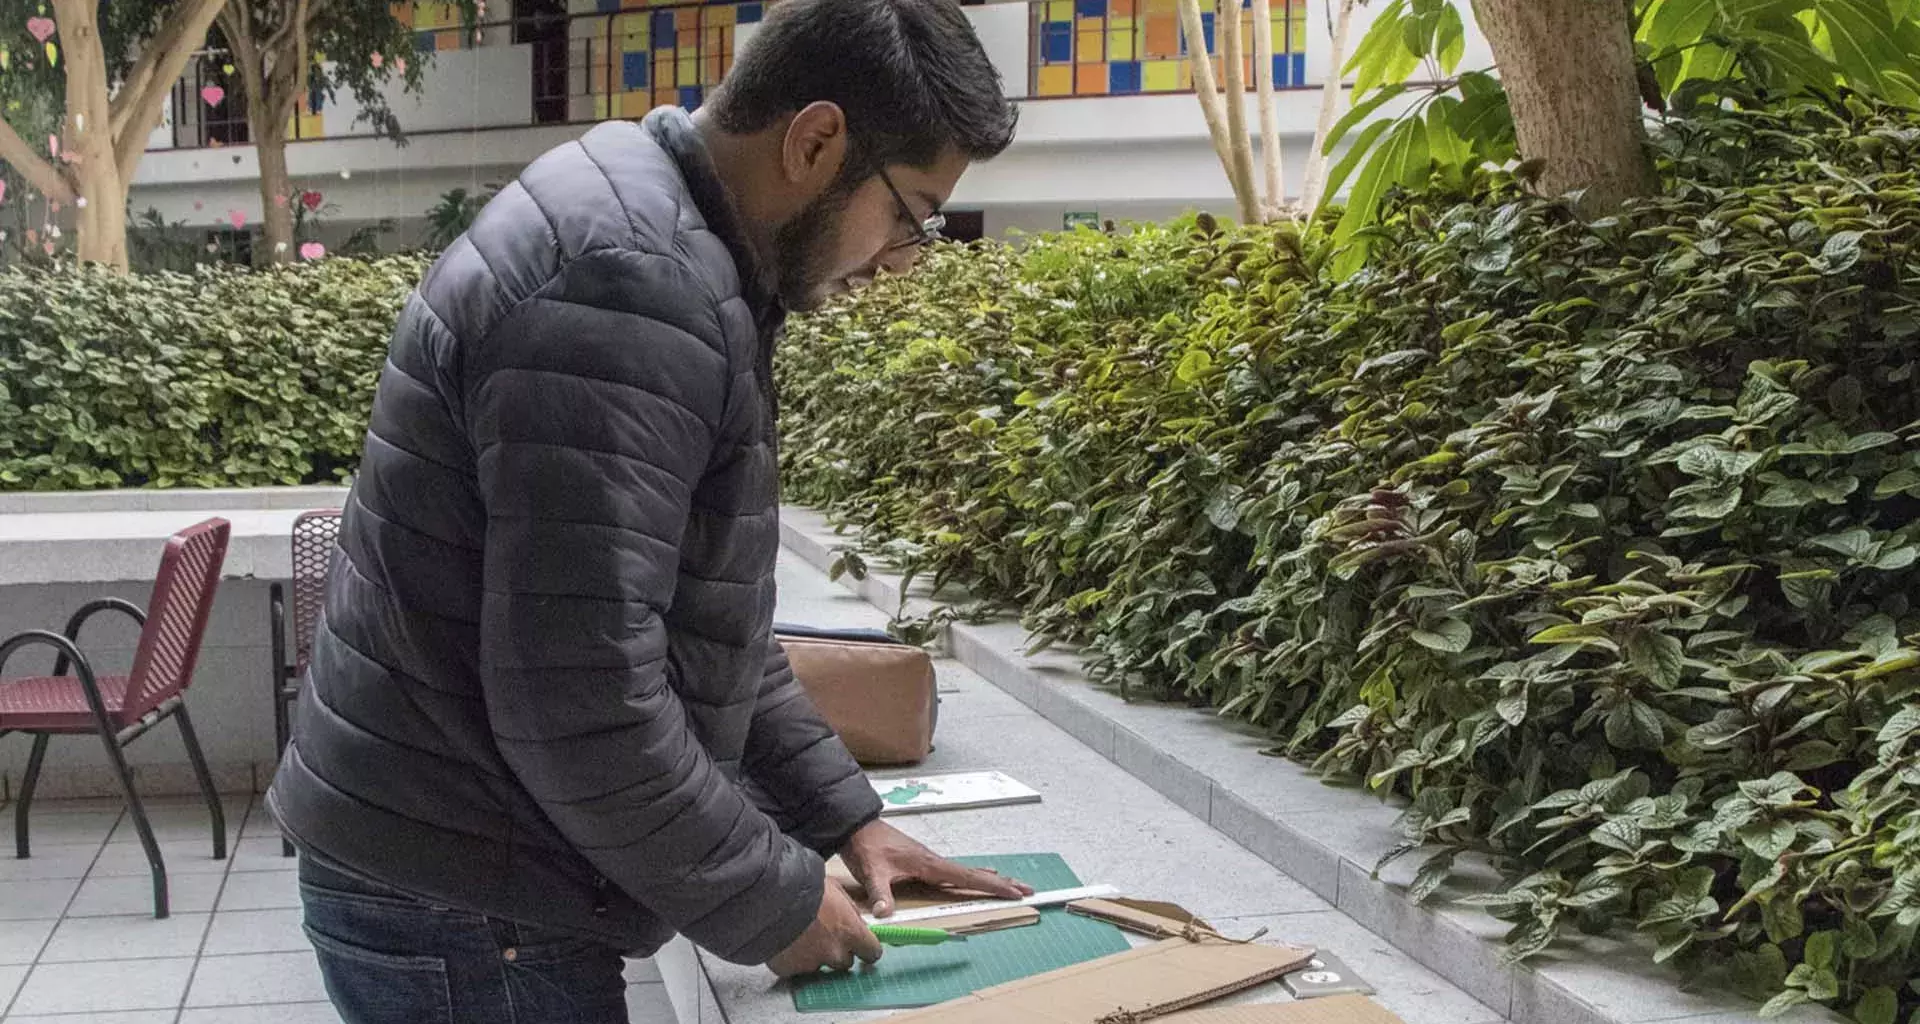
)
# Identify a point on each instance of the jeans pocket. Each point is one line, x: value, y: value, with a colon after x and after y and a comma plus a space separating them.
x: 371, y: 987
x: 557, y: 978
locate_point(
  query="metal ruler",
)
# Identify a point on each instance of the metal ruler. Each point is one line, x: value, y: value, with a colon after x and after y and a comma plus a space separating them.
x: 1052, y: 898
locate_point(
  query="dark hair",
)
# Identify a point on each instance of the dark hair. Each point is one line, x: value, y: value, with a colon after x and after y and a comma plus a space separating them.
x: 910, y: 75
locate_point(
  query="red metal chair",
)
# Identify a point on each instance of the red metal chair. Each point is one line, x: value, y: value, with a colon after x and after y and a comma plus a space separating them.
x: 314, y: 536
x: 121, y: 709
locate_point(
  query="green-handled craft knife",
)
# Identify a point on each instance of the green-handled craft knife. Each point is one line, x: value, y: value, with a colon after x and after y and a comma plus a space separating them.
x: 903, y: 935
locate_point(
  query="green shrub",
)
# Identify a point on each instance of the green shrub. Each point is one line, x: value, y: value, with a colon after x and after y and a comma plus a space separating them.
x: 216, y: 378
x: 1598, y: 541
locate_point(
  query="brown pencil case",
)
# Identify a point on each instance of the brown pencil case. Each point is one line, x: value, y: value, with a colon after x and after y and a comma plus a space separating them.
x: 876, y: 692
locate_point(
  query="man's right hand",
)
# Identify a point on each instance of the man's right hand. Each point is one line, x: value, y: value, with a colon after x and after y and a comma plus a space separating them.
x: 838, y: 938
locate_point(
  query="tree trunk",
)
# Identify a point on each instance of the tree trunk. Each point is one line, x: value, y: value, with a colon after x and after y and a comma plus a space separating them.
x: 1269, y: 113
x: 276, y: 188
x: 1570, y: 73
x: 1331, y: 92
x: 1207, y: 89
x: 101, y: 220
x: 1226, y: 21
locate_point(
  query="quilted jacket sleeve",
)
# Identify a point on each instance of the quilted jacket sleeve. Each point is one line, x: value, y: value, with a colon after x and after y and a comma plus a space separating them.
x: 802, y: 773
x: 593, y: 418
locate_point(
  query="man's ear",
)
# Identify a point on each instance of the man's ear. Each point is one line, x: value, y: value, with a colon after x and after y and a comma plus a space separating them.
x: 815, y: 147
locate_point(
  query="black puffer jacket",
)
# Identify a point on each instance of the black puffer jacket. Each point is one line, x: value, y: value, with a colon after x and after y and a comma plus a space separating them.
x: 546, y: 688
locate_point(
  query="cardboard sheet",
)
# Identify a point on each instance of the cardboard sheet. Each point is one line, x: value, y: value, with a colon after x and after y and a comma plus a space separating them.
x: 1153, y: 981
x: 906, y: 896
x: 983, y: 921
x: 1348, y: 1009
x: 1145, y: 917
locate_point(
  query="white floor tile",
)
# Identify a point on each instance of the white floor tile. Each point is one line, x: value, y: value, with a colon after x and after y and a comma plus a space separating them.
x: 256, y: 980
x: 124, y: 938
x: 104, y: 985
x: 261, y: 890
x: 256, y: 931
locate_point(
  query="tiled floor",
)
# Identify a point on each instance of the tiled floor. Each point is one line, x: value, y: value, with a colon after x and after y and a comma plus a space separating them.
x: 79, y: 944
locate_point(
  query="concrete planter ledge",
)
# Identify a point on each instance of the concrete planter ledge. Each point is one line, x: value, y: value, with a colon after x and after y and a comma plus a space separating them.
x: 113, y: 536
x: 1327, y: 838
x: 225, y: 499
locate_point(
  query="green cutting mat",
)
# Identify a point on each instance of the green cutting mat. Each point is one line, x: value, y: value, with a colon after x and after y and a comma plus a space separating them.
x: 909, y: 976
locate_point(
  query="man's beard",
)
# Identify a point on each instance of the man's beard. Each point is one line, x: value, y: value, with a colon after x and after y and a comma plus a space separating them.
x: 801, y: 246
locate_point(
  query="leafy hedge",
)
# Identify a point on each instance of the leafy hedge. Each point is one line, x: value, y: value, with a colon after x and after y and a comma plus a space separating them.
x: 1597, y: 540
x: 217, y: 378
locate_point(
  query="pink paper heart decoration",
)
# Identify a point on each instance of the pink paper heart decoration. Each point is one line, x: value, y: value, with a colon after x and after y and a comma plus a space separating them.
x: 312, y: 200
x: 400, y: 65
x: 378, y: 60
x: 48, y: 247
x: 41, y: 29
x: 3, y: 191
x: 213, y: 94
x: 53, y: 144
x: 280, y: 201
x: 312, y: 251
x: 198, y: 205
x: 237, y: 218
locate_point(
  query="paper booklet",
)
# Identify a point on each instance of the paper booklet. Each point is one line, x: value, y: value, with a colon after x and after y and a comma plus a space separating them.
x: 916, y: 794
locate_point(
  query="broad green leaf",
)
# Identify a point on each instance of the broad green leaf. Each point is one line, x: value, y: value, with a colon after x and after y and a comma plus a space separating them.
x: 1863, y: 36
x: 1444, y: 145
x: 1450, y: 39
x: 1360, y: 112
x: 1363, y: 146
x: 1193, y: 366
x: 1400, y: 153
x: 1635, y: 726
x: 1783, y: 1002
x: 1841, y: 252
x: 1878, y: 1006
x: 1382, y: 58
x: 1449, y: 636
x: 1657, y: 656
x: 1678, y: 23
x: 1430, y: 877
x: 1903, y: 722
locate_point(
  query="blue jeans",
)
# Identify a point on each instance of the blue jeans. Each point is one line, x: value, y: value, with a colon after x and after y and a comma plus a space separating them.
x: 388, y: 958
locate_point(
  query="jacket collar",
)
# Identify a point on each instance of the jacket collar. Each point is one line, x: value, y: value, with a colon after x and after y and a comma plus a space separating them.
x: 674, y: 131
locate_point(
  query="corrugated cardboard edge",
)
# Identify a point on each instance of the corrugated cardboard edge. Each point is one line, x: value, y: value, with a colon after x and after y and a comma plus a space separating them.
x: 1154, y: 920
x: 1179, y: 991
x: 982, y: 921
x: 1344, y: 1009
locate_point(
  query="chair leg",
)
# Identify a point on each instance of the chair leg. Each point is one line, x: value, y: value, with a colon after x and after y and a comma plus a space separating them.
x: 282, y: 729
x: 206, y: 783
x: 118, y: 758
x: 32, y: 779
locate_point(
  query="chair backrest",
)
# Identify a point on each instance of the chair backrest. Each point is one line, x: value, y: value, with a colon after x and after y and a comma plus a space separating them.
x: 177, y: 615
x: 314, y: 536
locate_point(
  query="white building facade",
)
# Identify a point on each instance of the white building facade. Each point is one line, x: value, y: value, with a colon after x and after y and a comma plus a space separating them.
x: 1110, y: 129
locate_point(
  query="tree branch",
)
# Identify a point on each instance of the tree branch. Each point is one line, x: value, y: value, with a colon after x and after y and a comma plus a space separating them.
x: 231, y: 26
x: 305, y: 20
x: 162, y: 58
x: 40, y: 172
x: 165, y: 56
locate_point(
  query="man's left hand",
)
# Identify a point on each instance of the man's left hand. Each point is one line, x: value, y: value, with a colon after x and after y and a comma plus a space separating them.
x: 881, y: 856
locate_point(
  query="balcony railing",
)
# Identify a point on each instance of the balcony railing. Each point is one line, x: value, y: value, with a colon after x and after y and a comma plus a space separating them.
x: 563, y: 69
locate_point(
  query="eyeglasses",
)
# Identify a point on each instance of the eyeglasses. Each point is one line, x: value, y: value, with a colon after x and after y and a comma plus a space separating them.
x: 925, y: 232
